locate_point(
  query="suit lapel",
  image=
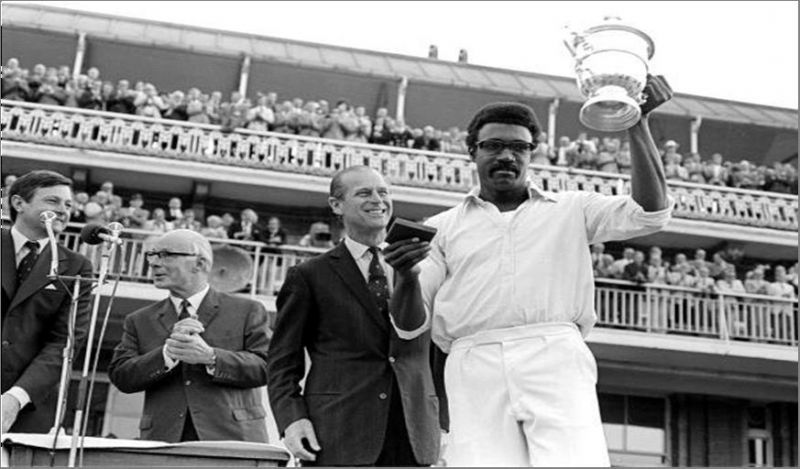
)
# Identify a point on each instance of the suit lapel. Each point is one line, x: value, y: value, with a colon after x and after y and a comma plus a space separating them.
x: 166, y: 314
x: 9, y: 264
x: 37, y: 279
x: 209, y: 308
x: 345, y: 267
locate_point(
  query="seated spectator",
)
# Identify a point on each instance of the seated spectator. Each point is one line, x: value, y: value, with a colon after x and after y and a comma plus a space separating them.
x: 757, y: 285
x: 134, y: 216
x: 214, y: 228
x: 174, y: 211
x: 715, y: 172
x: 729, y: 283
x: 636, y: 271
x: 247, y: 228
x: 188, y: 221
x: 617, y: 269
x: 275, y: 235
x: 781, y: 286
x: 601, y: 262
x: 318, y: 236
x: 427, y: 141
x: 607, y: 157
x: 159, y: 222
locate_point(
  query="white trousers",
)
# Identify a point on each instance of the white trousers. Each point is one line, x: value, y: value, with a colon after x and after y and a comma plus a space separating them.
x: 524, y: 396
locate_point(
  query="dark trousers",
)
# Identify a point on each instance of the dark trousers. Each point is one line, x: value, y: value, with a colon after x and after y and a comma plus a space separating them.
x: 189, y: 432
x: 396, y: 446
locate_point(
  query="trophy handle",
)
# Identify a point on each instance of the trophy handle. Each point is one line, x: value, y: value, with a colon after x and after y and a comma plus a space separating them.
x: 571, y: 38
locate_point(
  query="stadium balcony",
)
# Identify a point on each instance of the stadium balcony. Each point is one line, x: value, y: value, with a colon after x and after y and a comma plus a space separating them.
x: 442, y: 176
x: 650, y: 308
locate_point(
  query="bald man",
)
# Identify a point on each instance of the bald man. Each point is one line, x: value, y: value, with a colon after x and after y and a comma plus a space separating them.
x: 199, y: 355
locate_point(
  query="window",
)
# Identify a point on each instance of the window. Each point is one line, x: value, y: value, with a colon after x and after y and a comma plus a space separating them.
x: 635, y: 429
x: 759, y: 441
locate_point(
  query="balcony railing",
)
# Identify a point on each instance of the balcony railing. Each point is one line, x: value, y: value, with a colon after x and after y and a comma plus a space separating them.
x: 619, y: 304
x: 129, y: 134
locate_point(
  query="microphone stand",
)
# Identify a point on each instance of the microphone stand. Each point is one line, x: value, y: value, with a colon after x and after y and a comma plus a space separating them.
x: 82, y: 391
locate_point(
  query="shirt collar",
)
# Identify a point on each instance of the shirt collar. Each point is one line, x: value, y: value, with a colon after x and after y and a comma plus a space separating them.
x: 194, y: 300
x: 535, y: 193
x: 20, y: 240
x: 357, y: 249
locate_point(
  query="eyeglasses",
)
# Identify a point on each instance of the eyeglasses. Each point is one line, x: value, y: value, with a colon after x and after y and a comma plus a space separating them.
x: 496, y: 146
x: 163, y: 254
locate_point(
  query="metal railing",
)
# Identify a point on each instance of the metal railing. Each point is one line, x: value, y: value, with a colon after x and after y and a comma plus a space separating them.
x: 123, y: 133
x: 621, y: 304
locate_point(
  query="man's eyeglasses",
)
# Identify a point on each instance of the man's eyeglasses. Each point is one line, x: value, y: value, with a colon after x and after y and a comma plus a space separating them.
x: 495, y: 146
x: 163, y: 254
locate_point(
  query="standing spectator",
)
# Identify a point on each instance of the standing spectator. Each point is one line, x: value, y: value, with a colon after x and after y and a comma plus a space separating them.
x: 134, y: 215
x: 148, y: 103
x: 174, y: 211
x: 704, y: 282
x: 674, y: 171
x: 699, y: 259
x: 680, y: 272
x: 275, y: 235
x: 260, y: 117
x: 781, y: 286
x: 671, y: 153
x: 601, y: 262
x: 91, y: 97
x: 756, y: 285
x: 196, y: 107
x: 729, y: 283
x: 563, y: 150
x: 542, y: 154
x: 212, y: 108
x: 364, y: 125
x: 283, y: 121
x: 717, y: 266
x: 176, y: 107
x: 381, y: 131
x: 50, y: 93
x: 636, y: 271
x: 318, y: 236
x: 400, y: 134
x: 715, y: 172
x: 624, y: 158
x: 122, y: 100
x: 214, y: 228
x: 607, y: 157
x: 77, y: 214
x: 694, y: 168
x: 584, y: 153
x: 309, y: 120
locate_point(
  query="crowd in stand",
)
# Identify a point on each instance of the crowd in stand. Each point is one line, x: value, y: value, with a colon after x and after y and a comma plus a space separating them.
x: 720, y: 274
x: 343, y: 121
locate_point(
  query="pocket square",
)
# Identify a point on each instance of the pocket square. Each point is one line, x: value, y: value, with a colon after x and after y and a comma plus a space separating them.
x: 50, y: 286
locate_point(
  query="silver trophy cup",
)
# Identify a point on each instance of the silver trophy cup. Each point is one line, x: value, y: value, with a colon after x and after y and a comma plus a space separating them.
x: 611, y: 67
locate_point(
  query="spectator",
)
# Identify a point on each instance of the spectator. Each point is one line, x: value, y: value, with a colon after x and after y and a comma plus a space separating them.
x: 694, y: 168
x: 260, y: 117
x: 756, y: 285
x: 657, y: 269
x: 563, y: 150
x: 624, y: 158
x: 78, y: 207
x: 134, y: 216
x: 94, y: 213
x: 427, y: 141
x: 674, y: 171
x: 188, y: 221
x: 363, y: 126
x: 309, y: 121
x: 584, y: 153
x: 214, y: 228
x: 91, y: 98
x: 122, y: 99
x: 50, y: 93
x: 212, y: 108
x: 699, y: 259
x: 6, y: 186
x: 617, y: 269
x: 247, y: 229
x: 176, y: 107
x: 781, y: 286
x: 636, y: 271
x: 174, y: 211
x: 729, y: 283
x: 717, y: 266
x: 670, y: 154
x: 542, y: 154
x: 159, y: 222
x: 318, y: 236
x: 601, y: 262
x: 284, y: 118
x: 381, y: 128
x: 275, y: 235
x: 680, y: 272
x: 148, y: 103
x: 704, y: 282
x: 715, y: 173
x: 607, y: 157
x: 196, y: 107
x: 400, y: 134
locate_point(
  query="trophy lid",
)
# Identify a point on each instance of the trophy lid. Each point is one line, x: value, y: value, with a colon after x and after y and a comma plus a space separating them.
x: 615, y: 23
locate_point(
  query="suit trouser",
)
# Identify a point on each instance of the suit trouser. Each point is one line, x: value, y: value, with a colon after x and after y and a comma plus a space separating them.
x: 524, y: 396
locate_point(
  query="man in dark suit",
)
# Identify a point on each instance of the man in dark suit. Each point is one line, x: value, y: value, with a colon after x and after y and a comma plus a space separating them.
x: 368, y: 398
x: 35, y: 309
x: 199, y: 355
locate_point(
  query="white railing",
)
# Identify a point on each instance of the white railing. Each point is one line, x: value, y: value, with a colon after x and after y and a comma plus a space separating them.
x: 679, y: 310
x: 129, y: 134
x: 620, y: 304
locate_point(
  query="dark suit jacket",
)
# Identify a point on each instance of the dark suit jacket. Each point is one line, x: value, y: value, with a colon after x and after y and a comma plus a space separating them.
x: 35, y: 317
x: 258, y: 232
x: 226, y: 406
x: 325, y: 307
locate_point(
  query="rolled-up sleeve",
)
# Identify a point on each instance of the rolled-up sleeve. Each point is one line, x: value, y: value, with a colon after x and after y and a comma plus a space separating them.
x: 620, y: 217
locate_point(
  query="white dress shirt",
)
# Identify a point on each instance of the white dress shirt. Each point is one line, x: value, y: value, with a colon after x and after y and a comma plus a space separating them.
x: 363, y: 258
x: 492, y: 270
x: 20, y: 251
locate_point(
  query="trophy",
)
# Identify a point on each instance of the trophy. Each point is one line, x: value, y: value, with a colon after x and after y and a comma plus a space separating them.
x: 611, y: 68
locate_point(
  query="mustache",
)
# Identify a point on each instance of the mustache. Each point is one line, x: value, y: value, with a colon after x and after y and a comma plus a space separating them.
x: 504, y: 166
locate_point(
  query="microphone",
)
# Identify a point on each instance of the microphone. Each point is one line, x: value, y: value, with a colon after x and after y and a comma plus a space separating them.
x: 47, y: 218
x: 93, y: 233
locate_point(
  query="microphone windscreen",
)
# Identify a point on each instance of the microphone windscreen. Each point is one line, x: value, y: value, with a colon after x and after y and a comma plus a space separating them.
x: 90, y: 234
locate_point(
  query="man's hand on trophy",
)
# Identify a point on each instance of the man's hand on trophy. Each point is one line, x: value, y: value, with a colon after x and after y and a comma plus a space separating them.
x: 656, y: 92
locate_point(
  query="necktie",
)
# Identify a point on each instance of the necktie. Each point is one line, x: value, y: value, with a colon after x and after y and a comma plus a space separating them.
x: 26, y: 265
x: 377, y: 284
x: 184, y: 310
